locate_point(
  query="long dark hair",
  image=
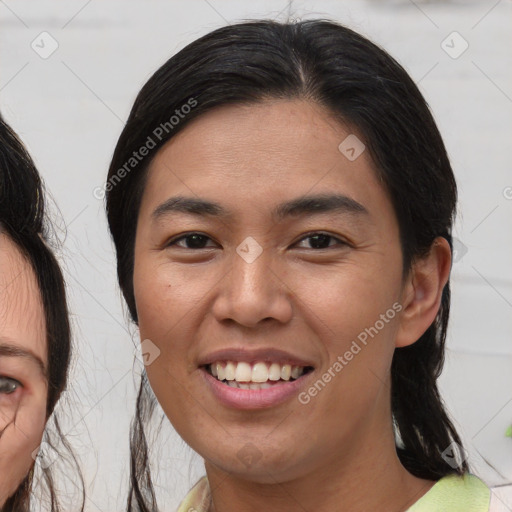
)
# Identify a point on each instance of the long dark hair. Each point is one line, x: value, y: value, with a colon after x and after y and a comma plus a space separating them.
x: 23, y: 219
x: 359, y: 83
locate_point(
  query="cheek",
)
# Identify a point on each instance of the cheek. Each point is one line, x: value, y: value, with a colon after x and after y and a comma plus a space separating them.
x: 353, y: 314
x: 342, y: 302
x: 22, y: 424
x: 164, y: 292
x: 171, y: 301
x: 167, y: 301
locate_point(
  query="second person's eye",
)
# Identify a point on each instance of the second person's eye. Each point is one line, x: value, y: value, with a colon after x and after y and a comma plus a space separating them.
x: 8, y: 386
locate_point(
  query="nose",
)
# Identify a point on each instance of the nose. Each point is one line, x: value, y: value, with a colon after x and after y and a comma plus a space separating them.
x: 252, y: 292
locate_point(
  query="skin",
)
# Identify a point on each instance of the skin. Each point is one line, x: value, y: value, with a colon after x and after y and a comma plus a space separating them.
x: 336, y: 452
x: 23, y: 411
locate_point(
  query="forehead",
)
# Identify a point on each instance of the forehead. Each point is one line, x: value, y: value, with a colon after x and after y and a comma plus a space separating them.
x: 22, y: 319
x: 262, y: 153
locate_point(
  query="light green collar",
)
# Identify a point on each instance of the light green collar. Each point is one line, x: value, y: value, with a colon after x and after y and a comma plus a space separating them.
x: 452, y: 493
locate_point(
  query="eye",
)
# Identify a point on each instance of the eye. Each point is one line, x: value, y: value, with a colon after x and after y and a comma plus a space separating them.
x: 8, y: 386
x: 198, y: 240
x: 195, y: 241
x: 321, y: 240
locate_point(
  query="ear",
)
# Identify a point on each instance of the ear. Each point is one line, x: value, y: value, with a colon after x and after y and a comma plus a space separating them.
x: 422, y: 292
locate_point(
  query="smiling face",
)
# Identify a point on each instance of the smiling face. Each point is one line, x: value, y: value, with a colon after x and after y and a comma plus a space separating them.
x: 23, y: 385
x: 287, y: 302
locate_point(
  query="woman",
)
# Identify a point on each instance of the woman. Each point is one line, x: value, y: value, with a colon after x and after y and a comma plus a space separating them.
x: 281, y: 203
x: 34, y: 332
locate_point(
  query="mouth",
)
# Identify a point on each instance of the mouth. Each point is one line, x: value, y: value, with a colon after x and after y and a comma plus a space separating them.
x: 255, y: 384
x: 256, y: 376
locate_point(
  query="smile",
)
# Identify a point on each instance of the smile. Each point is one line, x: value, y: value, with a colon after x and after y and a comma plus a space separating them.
x: 260, y: 375
x: 242, y: 385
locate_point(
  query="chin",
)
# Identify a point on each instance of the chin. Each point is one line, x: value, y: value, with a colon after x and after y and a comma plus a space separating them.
x: 251, y: 464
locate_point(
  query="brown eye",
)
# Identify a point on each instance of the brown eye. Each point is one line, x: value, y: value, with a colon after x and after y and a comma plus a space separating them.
x: 8, y: 386
x: 193, y: 240
x: 321, y: 241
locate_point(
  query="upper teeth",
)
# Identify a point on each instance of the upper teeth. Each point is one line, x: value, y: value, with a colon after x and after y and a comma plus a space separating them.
x: 258, y: 372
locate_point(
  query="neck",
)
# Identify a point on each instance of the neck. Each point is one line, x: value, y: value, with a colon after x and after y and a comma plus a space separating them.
x: 368, y: 476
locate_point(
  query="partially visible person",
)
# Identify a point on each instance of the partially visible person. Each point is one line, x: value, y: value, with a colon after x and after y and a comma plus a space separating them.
x: 35, y: 340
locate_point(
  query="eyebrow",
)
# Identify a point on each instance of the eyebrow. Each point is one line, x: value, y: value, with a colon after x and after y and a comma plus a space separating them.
x: 300, y: 206
x: 9, y: 350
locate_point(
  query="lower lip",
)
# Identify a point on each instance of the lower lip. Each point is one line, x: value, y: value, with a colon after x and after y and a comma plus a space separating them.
x: 254, y: 398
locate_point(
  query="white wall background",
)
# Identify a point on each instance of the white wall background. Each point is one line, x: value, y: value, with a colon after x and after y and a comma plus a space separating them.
x: 69, y: 109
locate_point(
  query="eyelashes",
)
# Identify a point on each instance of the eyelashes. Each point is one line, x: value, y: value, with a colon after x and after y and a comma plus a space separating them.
x: 321, y: 237
x: 198, y: 238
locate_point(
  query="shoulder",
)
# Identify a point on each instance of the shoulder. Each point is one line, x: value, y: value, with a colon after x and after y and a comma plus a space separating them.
x: 465, y: 493
x: 461, y: 493
x: 198, y: 498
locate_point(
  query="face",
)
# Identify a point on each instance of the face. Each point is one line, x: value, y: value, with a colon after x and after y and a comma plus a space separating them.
x: 269, y: 298
x: 23, y: 385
